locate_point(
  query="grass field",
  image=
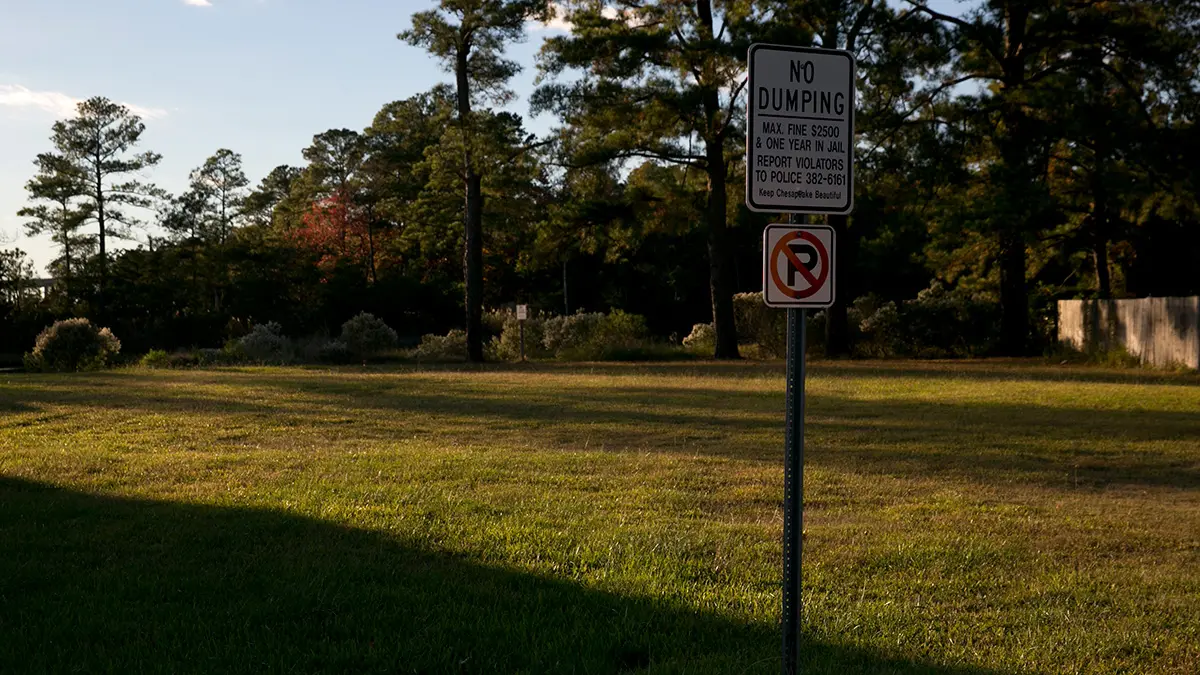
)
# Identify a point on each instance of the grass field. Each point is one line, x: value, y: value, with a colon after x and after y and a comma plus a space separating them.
x: 961, y: 518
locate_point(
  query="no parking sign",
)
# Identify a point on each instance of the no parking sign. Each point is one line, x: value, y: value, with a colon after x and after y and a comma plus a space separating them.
x: 798, y: 266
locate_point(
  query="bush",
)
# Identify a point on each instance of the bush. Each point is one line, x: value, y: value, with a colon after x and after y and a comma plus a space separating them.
x: 72, y: 345
x: 571, y: 333
x: 764, y: 328
x: 880, y: 326
x: 200, y: 358
x: 956, y: 322
x: 217, y: 357
x: 156, y: 358
x: 183, y: 359
x: 620, y: 330
x: 702, y: 339
x: 507, y: 346
x: 451, y: 347
x: 759, y: 324
x: 264, y: 343
x: 588, y: 336
x: 334, y: 351
x: 494, y: 321
x: 365, y: 336
x: 937, y: 323
x: 579, y: 336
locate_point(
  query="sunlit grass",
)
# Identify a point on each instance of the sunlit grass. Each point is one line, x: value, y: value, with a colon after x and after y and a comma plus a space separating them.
x: 973, y: 517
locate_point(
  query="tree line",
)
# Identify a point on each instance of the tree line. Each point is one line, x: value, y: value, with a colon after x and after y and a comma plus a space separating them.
x: 1017, y: 153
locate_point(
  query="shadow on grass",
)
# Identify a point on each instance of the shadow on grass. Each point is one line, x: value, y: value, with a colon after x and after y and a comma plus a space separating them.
x: 93, y: 583
x: 8, y: 405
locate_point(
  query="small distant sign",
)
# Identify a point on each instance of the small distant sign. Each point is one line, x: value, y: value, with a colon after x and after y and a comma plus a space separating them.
x: 522, y: 312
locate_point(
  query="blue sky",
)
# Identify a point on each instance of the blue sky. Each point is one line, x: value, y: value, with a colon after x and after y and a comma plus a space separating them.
x: 259, y: 77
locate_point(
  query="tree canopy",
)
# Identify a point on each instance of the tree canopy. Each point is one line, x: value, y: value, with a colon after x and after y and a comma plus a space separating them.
x: 1007, y: 156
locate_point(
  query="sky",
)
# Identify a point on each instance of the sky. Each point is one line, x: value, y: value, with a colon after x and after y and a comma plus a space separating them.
x: 259, y: 77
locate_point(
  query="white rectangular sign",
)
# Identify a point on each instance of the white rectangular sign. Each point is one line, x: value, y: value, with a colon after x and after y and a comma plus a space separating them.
x: 522, y: 312
x: 800, y: 135
x: 798, y: 265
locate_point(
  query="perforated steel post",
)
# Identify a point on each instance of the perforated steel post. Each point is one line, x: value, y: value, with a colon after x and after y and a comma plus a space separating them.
x: 793, y: 484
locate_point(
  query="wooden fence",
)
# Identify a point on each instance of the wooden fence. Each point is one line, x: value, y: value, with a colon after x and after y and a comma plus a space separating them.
x: 1160, y: 331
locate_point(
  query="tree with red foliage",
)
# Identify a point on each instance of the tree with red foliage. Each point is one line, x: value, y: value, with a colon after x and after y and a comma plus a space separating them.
x: 338, y: 230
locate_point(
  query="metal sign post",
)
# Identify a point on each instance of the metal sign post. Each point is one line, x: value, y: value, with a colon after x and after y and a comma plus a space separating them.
x: 793, y: 483
x: 799, y: 160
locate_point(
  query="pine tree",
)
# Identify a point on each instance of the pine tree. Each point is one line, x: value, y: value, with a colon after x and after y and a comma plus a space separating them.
x: 97, y: 146
x: 222, y: 184
x: 56, y: 190
x: 469, y: 38
x: 661, y: 81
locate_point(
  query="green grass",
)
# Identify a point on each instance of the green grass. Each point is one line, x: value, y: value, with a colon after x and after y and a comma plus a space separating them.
x: 960, y: 518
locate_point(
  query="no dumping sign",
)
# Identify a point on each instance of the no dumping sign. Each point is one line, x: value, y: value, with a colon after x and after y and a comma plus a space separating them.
x: 800, y: 135
x: 798, y: 266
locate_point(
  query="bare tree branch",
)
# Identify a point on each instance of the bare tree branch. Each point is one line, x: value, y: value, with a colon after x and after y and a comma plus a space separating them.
x: 963, y: 24
x: 928, y: 98
x: 733, y: 97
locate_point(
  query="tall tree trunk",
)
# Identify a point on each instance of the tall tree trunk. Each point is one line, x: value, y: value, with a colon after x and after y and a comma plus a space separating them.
x: 472, y: 217
x: 1014, y: 295
x: 371, y: 246
x: 720, y: 266
x: 1018, y: 187
x: 100, y: 309
x: 1100, y: 218
x: 473, y: 266
x: 566, y: 301
x: 66, y: 253
x: 837, y: 329
x: 1100, y: 257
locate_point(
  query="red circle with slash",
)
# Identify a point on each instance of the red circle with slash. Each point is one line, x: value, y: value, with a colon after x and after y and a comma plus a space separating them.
x: 816, y: 281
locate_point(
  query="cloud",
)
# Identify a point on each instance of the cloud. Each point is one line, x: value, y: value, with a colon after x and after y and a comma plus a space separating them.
x: 197, y: 3
x: 59, y: 104
x: 559, y: 22
x: 16, y: 96
x: 146, y: 113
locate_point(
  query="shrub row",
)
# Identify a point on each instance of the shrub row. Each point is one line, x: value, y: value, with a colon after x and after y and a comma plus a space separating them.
x: 756, y: 324
x: 362, y: 337
x: 583, y: 336
x: 937, y: 323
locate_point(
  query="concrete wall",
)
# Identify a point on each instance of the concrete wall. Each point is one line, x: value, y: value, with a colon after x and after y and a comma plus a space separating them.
x: 1160, y: 331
